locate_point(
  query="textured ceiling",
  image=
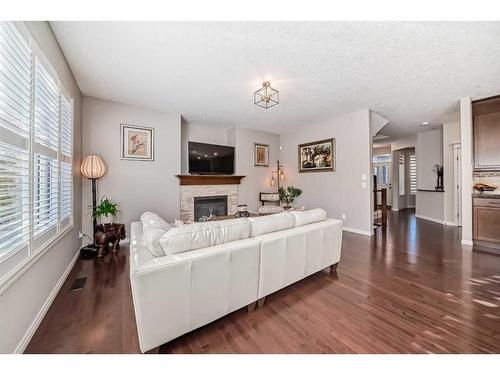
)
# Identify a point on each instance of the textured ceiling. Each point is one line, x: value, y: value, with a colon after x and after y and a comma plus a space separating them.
x: 408, y: 72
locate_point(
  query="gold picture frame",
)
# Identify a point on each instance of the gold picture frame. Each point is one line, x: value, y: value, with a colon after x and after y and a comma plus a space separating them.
x: 261, y: 155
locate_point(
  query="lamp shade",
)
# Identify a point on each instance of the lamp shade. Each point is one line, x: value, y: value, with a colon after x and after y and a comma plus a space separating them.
x: 93, y: 167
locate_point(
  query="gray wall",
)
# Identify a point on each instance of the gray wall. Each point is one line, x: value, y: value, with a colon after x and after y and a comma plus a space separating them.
x: 137, y: 186
x: 340, y: 191
x: 26, y: 298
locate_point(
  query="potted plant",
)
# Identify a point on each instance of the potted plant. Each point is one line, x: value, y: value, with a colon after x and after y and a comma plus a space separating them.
x: 288, y: 195
x: 106, y: 208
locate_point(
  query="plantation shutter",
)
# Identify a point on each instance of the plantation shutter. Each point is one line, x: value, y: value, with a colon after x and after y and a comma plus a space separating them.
x: 66, y: 161
x: 46, y: 148
x: 15, y: 124
x: 413, y: 174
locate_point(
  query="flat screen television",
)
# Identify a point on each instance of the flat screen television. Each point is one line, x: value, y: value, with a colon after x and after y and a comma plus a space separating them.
x: 206, y: 158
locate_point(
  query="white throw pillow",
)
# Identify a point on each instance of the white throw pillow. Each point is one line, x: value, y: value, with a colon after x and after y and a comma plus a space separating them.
x: 310, y: 216
x: 271, y: 223
x: 201, y: 235
x: 152, y: 240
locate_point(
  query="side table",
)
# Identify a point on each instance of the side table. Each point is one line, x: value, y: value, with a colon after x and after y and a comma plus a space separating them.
x: 106, y: 234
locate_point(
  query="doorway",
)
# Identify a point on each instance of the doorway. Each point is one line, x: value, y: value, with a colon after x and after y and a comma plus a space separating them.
x: 457, y: 178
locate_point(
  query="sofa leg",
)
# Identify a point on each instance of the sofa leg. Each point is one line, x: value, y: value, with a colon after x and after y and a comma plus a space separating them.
x: 333, y: 267
x: 153, y: 351
x: 251, y: 306
x: 260, y: 302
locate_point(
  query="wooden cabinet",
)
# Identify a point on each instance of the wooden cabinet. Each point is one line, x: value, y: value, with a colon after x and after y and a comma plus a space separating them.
x: 487, y: 219
x: 486, y: 117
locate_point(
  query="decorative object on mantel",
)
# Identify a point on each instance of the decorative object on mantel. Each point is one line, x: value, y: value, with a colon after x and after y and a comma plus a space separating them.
x: 277, y: 175
x: 137, y: 142
x: 481, y: 187
x: 317, y: 156
x: 288, y: 195
x: 92, y: 168
x: 266, y: 97
x: 188, y: 179
x: 242, y: 211
x: 261, y: 155
x: 439, y: 171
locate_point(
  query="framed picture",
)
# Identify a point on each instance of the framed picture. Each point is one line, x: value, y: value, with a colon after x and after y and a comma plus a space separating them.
x: 317, y: 156
x: 261, y: 155
x: 137, y: 142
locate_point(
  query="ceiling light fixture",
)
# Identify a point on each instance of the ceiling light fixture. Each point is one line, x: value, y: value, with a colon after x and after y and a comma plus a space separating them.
x: 266, y: 97
x: 425, y: 123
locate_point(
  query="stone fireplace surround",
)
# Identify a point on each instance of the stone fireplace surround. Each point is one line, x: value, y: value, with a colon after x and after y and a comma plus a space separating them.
x: 189, y: 192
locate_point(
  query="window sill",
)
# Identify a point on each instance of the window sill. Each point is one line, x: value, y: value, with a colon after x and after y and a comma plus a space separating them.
x: 10, y: 278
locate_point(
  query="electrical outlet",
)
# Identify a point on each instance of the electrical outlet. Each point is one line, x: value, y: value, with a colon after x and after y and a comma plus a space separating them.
x: 344, y: 216
x: 81, y: 234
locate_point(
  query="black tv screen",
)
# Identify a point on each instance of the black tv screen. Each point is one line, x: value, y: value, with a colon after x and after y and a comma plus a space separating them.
x: 205, y: 158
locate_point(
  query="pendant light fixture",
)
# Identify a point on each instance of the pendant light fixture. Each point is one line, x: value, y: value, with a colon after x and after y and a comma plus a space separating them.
x: 266, y: 97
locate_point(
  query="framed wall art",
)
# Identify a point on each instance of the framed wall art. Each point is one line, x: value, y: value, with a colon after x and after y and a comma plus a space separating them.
x: 261, y: 155
x: 137, y: 142
x: 317, y: 156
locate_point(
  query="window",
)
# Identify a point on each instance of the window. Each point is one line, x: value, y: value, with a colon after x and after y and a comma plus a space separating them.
x: 413, y: 174
x: 36, y: 120
x: 401, y: 165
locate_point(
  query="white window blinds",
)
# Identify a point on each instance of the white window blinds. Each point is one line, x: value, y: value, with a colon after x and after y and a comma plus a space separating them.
x: 413, y: 174
x: 36, y: 127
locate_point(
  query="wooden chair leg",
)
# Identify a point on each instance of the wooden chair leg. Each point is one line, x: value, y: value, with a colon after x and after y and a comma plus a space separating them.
x: 251, y: 306
x: 260, y: 302
x: 333, y: 267
x: 153, y: 351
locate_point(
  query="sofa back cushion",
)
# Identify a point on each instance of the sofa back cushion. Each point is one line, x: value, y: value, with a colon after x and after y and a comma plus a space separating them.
x: 200, y: 235
x: 270, y: 223
x: 308, y: 217
x: 151, y: 220
x: 153, y: 228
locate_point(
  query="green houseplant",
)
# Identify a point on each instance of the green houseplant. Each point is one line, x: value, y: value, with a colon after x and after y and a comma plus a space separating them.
x: 106, y: 207
x: 288, y: 195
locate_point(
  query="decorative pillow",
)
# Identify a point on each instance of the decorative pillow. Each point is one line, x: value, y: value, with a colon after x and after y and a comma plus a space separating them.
x: 270, y: 223
x: 309, y: 216
x: 200, y: 235
x: 152, y: 240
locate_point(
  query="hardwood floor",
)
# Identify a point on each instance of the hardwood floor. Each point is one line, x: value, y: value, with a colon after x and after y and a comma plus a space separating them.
x: 411, y: 289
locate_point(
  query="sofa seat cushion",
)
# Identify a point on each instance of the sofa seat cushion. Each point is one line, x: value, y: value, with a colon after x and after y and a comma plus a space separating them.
x: 200, y: 235
x: 270, y: 223
x: 308, y: 217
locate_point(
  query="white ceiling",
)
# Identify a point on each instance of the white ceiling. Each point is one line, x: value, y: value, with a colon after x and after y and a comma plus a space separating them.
x: 408, y: 72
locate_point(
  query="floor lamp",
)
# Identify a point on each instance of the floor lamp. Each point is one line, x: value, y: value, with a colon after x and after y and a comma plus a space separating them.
x: 93, y: 168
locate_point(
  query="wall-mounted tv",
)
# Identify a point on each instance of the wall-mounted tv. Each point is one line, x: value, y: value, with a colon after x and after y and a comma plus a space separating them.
x: 206, y: 158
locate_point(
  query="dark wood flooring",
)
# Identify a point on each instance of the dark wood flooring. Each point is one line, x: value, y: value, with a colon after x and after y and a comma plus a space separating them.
x: 411, y: 289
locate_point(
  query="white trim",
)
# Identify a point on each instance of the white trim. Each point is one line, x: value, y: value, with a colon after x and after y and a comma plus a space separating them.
x: 358, y: 231
x: 467, y: 242
x: 451, y: 223
x: 18, y: 271
x: 431, y: 219
x: 41, y: 314
x: 394, y: 209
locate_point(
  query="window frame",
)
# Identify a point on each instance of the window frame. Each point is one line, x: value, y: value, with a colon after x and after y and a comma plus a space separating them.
x: 34, y: 251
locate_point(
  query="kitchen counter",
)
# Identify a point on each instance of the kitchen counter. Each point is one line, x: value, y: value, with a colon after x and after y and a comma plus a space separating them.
x: 486, y: 196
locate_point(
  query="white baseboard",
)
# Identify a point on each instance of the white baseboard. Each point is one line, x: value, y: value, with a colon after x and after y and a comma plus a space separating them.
x: 41, y: 314
x: 467, y: 242
x: 431, y: 219
x: 451, y: 223
x: 358, y: 231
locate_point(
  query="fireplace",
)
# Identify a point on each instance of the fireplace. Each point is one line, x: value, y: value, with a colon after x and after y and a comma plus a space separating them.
x: 212, y: 205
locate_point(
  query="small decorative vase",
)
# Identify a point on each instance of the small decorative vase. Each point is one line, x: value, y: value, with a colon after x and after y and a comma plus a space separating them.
x: 242, y: 211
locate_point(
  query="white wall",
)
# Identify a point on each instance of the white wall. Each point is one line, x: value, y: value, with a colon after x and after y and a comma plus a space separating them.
x: 257, y: 179
x: 137, y: 186
x: 340, y: 191
x: 451, y: 137
x: 204, y: 133
x: 467, y: 180
x: 25, y: 299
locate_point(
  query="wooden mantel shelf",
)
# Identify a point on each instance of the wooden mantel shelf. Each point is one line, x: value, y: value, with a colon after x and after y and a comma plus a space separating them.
x: 187, y: 179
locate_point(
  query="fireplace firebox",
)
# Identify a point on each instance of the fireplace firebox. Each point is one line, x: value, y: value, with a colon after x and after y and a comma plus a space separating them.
x: 208, y: 206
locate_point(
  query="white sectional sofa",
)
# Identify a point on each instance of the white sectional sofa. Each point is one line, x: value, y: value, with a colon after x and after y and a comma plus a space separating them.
x: 183, y: 278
